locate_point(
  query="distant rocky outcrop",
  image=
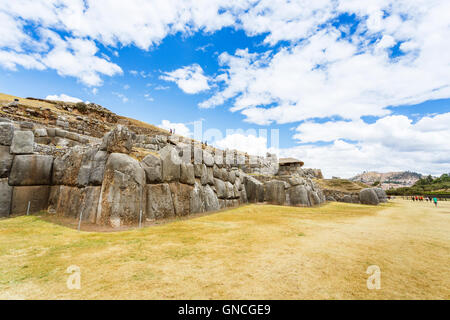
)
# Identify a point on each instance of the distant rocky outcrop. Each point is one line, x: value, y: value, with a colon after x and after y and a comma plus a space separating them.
x: 388, y: 180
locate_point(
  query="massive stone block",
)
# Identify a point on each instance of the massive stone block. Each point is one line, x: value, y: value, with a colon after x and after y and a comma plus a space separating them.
x: 31, y: 170
x: 6, y: 133
x: 296, y: 180
x: 153, y: 168
x: 5, y: 161
x: 217, y: 172
x: 368, y: 196
x: 187, y: 173
x: 171, y: 163
x: 181, y: 198
x: 232, y: 176
x: 159, y: 201
x: 201, y: 172
x: 36, y: 195
x: 97, y: 168
x: 197, y: 204
x: 73, y: 201
x: 122, y: 196
x: 210, y: 199
x: 80, y: 167
x: 381, y: 194
x: 119, y: 140
x: 5, y: 198
x: 208, y: 158
x: 229, y: 190
x: 243, y: 196
x: 298, y: 196
x: 275, y: 192
x: 314, y: 198
x: 254, y: 189
x: 22, y: 142
x: 67, y: 168
x: 221, y: 189
x: 209, y: 176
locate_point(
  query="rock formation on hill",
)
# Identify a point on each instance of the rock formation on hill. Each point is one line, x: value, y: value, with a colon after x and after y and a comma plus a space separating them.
x: 56, y: 161
x: 388, y: 180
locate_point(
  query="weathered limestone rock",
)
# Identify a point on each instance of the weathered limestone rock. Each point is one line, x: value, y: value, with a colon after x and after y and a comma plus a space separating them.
x: 209, y: 176
x: 381, y: 194
x: 296, y: 180
x: 210, y: 199
x: 97, y: 168
x: 208, y: 159
x: 171, y: 164
x: 40, y: 132
x: 220, y: 188
x: 229, y: 190
x: 298, y: 196
x: 187, y: 173
x: 275, y: 193
x: 218, y: 158
x: 65, y: 201
x: 159, y: 201
x: 6, y: 133
x: 368, y: 196
x: 243, y: 196
x: 122, y: 195
x: 91, y: 198
x: 5, y: 198
x: 347, y: 198
x: 314, y: 198
x: 232, y: 177
x: 198, y: 154
x: 196, y: 199
x: 201, y: 172
x: 31, y: 170
x: 120, y: 140
x: 22, y: 142
x: 37, y: 195
x: 224, y: 174
x: 73, y: 201
x: 153, y: 168
x: 51, y: 132
x: 181, y: 198
x: 5, y: 161
x: 67, y: 168
x: 217, y: 172
x: 254, y: 189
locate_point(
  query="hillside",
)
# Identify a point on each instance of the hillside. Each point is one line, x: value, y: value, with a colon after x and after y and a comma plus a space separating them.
x: 388, y: 180
x: 426, y: 185
x: 90, y: 119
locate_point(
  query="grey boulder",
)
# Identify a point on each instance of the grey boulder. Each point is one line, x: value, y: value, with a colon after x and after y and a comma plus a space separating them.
x: 6, y: 133
x: 22, y: 142
x: 153, y: 168
x: 31, y: 170
x: 368, y: 196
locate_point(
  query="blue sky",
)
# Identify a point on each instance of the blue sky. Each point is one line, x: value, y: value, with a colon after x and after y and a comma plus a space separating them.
x: 350, y: 86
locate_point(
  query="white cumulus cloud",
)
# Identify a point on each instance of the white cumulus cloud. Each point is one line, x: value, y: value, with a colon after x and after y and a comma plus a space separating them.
x: 180, y: 128
x: 63, y: 97
x: 190, y: 79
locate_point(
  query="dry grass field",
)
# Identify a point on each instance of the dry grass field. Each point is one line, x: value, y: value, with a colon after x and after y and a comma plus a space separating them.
x: 252, y: 252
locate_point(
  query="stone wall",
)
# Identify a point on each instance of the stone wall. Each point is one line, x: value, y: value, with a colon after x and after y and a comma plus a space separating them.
x: 116, y: 180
